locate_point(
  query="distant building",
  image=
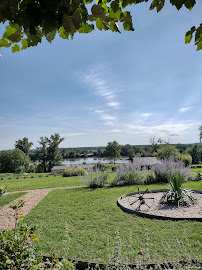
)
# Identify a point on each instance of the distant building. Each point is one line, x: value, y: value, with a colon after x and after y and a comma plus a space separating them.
x: 58, y: 169
x: 147, y: 162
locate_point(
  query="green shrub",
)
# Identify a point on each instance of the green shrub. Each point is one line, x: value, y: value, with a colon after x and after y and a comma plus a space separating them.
x: 198, y: 176
x: 2, y: 190
x: 150, y: 179
x: 127, y: 178
x: 186, y: 159
x: 100, y: 166
x: 74, y: 172
x: 95, y: 179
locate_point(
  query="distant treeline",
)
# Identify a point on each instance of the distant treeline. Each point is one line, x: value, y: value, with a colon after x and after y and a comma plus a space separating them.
x: 139, y: 150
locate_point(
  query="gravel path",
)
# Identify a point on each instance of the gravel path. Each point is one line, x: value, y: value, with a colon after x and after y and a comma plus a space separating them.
x: 32, y: 198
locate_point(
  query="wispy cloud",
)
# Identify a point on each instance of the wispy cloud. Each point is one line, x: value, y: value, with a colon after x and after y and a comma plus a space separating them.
x: 73, y: 134
x: 115, y: 131
x: 103, y: 88
x: 108, y: 92
x: 146, y: 115
x: 163, y: 130
x: 185, y: 109
x: 113, y: 104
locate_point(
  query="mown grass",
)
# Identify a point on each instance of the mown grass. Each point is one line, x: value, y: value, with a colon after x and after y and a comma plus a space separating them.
x: 14, y: 184
x: 87, y: 224
x: 9, y: 198
x: 196, y: 170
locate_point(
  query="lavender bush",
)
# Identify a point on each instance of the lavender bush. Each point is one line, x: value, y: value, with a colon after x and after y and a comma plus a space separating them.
x: 129, y: 175
x: 94, y: 179
x: 166, y: 168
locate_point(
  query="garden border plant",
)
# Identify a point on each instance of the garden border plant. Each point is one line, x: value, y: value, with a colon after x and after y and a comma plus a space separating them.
x: 19, y: 251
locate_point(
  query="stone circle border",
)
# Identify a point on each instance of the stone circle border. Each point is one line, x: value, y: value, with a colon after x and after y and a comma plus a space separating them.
x: 142, y: 214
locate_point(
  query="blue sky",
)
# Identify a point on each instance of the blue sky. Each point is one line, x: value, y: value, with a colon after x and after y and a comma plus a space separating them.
x: 105, y: 86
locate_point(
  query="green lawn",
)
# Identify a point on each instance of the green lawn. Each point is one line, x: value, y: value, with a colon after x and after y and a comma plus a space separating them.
x: 25, y: 183
x: 196, y: 170
x: 87, y: 224
x: 9, y: 198
x: 14, y: 184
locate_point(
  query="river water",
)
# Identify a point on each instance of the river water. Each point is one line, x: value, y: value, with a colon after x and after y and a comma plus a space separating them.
x: 93, y: 160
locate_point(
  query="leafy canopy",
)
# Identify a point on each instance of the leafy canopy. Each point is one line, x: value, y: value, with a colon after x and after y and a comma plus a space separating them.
x: 113, y: 150
x: 13, y: 161
x: 24, y: 145
x: 29, y: 21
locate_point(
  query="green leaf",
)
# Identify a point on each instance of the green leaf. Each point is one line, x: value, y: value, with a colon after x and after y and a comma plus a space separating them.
x: 4, y: 43
x: 16, y: 26
x: 16, y: 37
x: 114, y: 27
x: 99, y: 12
x: 188, y: 38
x: 50, y: 36
x: 189, y: 4
x: 128, y: 26
x: 24, y: 44
x: 115, y: 6
x: 15, y: 48
x: 199, y: 45
x: 63, y: 34
x: 158, y: 4
x: 99, y: 24
x: 86, y: 28
x: 68, y: 24
x: 9, y: 31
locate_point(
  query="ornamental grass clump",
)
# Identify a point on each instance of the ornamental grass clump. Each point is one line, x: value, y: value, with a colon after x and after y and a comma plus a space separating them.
x: 74, y: 172
x: 176, y: 194
x: 166, y: 168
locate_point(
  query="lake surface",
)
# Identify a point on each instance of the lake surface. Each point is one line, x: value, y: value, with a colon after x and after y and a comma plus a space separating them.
x: 93, y: 160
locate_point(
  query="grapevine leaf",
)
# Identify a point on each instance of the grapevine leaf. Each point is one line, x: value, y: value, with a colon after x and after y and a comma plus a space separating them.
x: 15, y: 48
x: 188, y: 38
x: 50, y: 36
x: 4, y: 43
x: 9, y: 31
x: 24, y: 44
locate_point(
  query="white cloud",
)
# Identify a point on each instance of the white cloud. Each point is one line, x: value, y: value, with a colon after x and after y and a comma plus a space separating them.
x: 167, y: 129
x: 113, y: 104
x: 99, y: 111
x: 107, y: 117
x: 115, y: 131
x: 73, y: 134
x: 185, y: 109
x: 146, y: 115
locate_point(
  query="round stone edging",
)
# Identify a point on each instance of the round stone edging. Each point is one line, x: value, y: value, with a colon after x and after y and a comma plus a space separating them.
x: 142, y: 214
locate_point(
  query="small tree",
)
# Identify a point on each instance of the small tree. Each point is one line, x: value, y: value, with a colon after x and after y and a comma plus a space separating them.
x: 131, y: 153
x: 24, y: 145
x: 113, y: 150
x: 200, y: 134
x: 168, y: 151
x: 196, y: 154
x: 13, y: 161
x: 48, y: 152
